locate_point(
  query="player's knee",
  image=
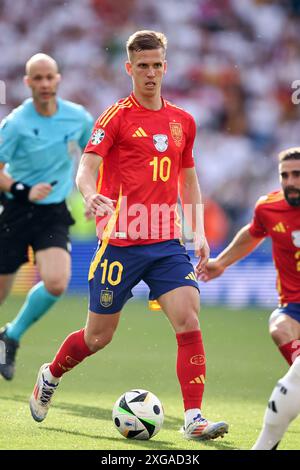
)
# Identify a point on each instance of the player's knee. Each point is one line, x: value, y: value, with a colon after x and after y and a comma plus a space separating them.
x: 188, y: 323
x: 3, y: 295
x: 98, y: 341
x: 56, y: 285
x: 280, y: 333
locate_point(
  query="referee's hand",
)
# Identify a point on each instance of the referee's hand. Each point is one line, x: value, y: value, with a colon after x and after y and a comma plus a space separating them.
x: 100, y: 205
x: 39, y: 191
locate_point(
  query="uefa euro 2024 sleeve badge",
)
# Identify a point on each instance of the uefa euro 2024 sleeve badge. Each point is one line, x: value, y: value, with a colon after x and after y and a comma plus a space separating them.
x: 97, y: 136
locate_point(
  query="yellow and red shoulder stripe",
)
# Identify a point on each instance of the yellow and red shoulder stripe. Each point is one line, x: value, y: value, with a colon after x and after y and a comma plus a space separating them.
x: 112, y: 111
x: 270, y: 198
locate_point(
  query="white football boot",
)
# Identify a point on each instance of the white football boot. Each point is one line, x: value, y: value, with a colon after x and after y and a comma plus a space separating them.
x: 201, y: 429
x: 40, y: 399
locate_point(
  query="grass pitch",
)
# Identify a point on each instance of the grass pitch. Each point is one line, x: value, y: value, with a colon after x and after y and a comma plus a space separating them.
x: 242, y: 369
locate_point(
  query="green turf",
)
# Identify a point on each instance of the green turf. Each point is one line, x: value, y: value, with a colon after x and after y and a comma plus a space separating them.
x: 243, y: 366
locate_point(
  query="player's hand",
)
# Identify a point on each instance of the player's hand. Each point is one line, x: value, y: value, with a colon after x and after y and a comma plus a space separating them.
x: 97, y: 204
x: 212, y: 270
x: 88, y: 215
x: 39, y: 191
x: 202, y: 251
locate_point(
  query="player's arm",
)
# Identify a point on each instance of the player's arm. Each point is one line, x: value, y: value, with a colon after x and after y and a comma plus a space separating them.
x: 191, y: 199
x: 86, y: 181
x: 21, y: 191
x: 5, y: 180
x: 242, y: 245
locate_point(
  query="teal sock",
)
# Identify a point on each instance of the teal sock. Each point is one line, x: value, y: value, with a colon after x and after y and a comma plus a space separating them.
x: 37, y: 303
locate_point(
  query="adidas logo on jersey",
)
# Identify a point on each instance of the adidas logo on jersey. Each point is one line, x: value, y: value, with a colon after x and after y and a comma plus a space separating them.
x: 191, y: 276
x: 279, y: 228
x: 198, y: 380
x: 139, y: 133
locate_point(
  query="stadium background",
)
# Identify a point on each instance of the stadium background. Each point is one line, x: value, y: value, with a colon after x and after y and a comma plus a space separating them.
x: 231, y: 64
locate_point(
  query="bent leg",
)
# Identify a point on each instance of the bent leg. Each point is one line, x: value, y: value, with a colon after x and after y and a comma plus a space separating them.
x: 6, y: 283
x: 285, y: 332
x: 77, y: 346
x: 9, y: 346
x: 73, y: 351
x: 54, y: 266
x: 181, y: 306
x: 283, y: 407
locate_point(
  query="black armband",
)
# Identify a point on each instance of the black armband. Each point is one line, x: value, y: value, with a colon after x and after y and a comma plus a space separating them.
x: 20, y: 191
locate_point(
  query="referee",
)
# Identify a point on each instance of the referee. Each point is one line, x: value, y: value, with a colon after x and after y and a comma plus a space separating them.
x: 38, y: 144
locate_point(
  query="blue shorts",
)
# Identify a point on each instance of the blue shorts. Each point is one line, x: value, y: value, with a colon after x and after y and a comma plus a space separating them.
x: 116, y: 270
x: 292, y: 310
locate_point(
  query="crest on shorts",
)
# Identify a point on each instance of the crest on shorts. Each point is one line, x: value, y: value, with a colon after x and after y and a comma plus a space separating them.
x: 106, y: 298
x: 296, y: 238
x: 176, y: 133
x: 161, y: 142
x: 97, y: 136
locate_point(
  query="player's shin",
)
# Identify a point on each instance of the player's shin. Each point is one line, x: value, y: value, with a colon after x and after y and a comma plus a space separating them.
x: 290, y: 350
x: 191, y: 369
x: 283, y: 407
x: 71, y: 353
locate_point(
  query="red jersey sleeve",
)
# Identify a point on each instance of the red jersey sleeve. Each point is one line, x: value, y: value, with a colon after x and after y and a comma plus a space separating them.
x: 104, y: 134
x: 257, y: 228
x: 187, y: 155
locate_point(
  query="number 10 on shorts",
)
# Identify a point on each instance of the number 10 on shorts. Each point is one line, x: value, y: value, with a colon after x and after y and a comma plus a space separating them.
x: 111, y: 273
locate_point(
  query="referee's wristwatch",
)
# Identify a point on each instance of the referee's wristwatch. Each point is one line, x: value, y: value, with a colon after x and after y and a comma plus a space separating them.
x: 20, y: 191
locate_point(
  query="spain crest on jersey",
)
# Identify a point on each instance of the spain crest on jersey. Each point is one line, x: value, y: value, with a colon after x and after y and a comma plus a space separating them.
x: 296, y: 238
x: 176, y: 133
x: 160, y: 142
x: 106, y: 298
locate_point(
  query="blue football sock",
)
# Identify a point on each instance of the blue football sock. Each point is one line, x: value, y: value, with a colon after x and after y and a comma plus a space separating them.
x: 37, y: 303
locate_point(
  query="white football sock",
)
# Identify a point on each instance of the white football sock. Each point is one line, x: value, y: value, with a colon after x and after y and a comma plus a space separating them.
x: 189, y: 415
x: 49, y: 377
x: 283, y: 407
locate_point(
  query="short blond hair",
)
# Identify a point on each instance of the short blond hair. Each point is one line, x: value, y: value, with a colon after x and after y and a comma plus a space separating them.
x: 292, y: 153
x: 146, y: 40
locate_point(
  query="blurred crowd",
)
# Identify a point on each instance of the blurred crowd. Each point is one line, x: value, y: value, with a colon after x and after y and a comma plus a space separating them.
x: 231, y: 63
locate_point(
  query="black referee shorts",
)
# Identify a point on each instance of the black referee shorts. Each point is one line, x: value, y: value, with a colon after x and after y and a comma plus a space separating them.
x: 22, y: 225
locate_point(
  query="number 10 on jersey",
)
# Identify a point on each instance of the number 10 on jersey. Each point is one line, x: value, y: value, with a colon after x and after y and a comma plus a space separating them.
x: 161, y: 168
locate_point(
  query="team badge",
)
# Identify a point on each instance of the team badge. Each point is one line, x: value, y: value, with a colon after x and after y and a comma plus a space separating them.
x: 106, y: 298
x: 198, y: 360
x: 98, y: 136
x: 296, y: 238
x: 72, y: 362
x: 161, y: 142
x: 176, y: 133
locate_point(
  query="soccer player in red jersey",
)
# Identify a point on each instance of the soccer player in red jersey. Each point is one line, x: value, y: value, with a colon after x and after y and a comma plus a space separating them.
x: 276, y: 215
x: 138, y: 158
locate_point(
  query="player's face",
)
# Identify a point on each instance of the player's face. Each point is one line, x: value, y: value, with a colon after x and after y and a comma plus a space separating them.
x: 289, y: 172
x: 43, y: 80
x: 147, y: 69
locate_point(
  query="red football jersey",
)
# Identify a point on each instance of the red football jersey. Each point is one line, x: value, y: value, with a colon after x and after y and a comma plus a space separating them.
x: 275, y: 218
x: 143, y: 152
